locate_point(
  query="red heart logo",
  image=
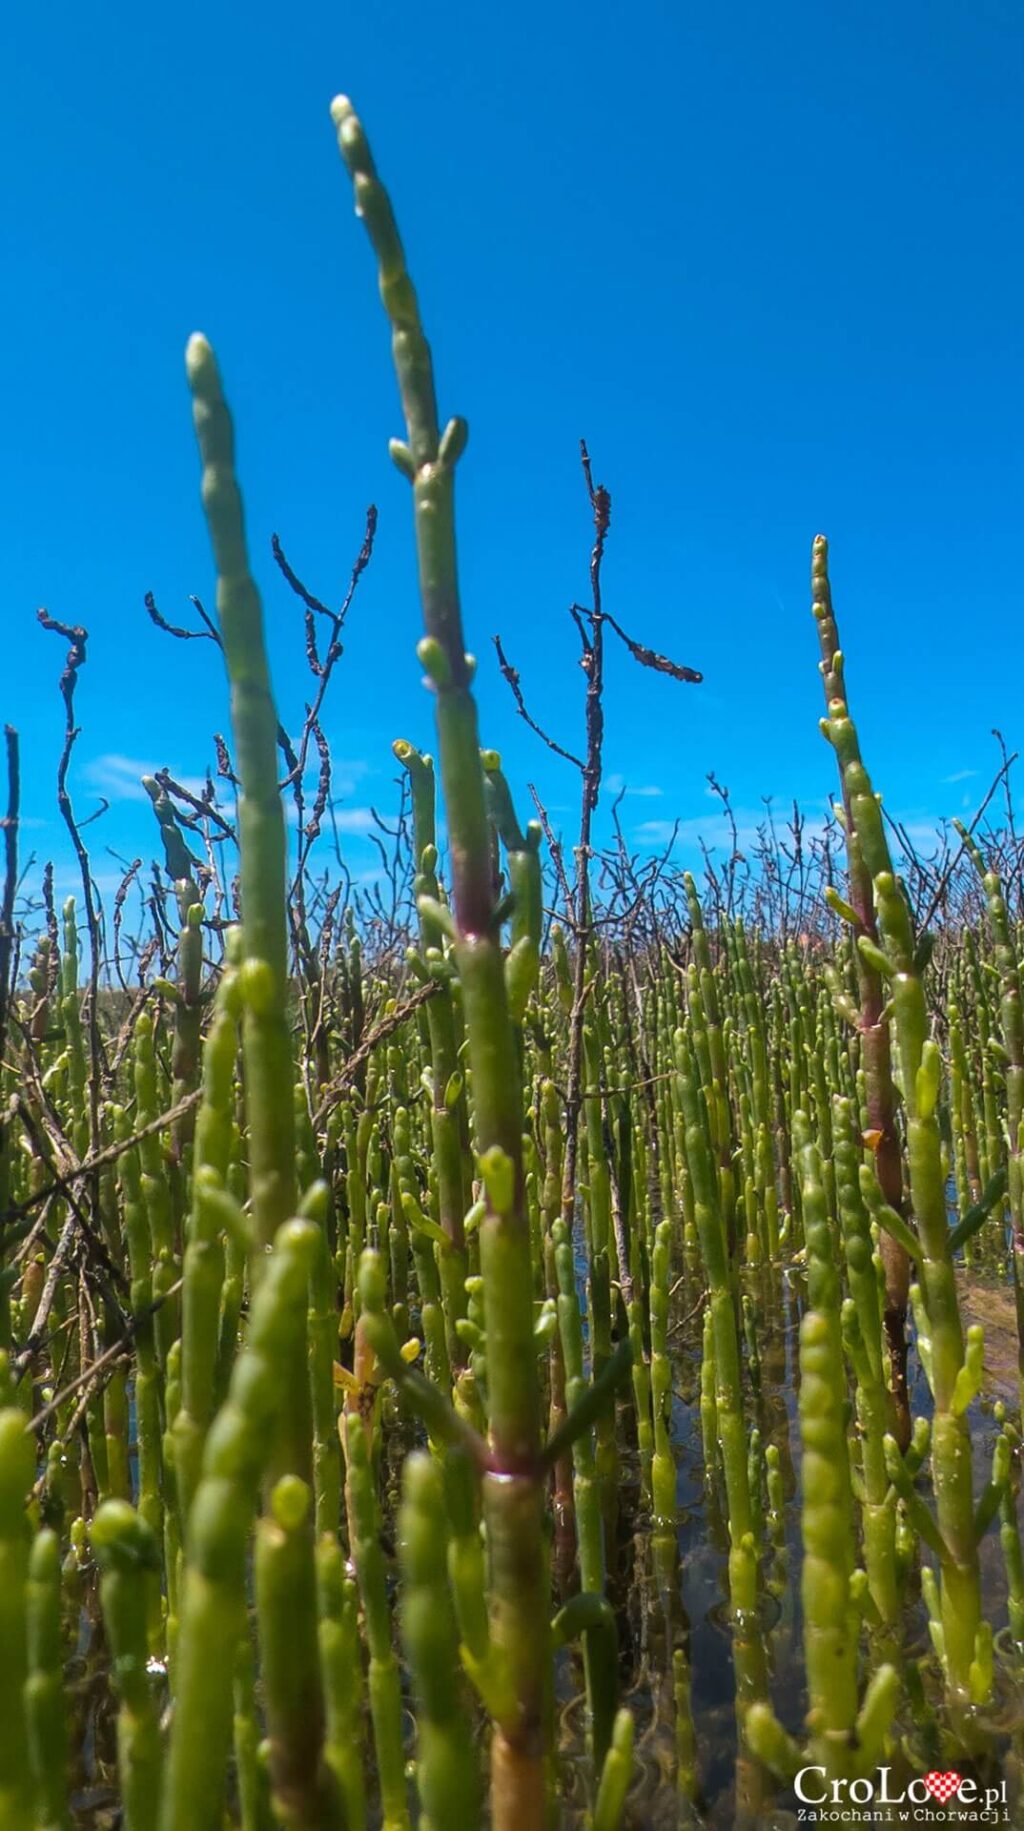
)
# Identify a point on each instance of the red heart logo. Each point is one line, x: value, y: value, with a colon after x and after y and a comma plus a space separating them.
x: 942, y: 1786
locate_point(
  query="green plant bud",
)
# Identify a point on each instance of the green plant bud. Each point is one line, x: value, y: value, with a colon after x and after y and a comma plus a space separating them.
x: 431, y: 910
x: 290, y: 1502
x: 434, y: 661
x: 874, y: 956
x: 474, y: 1216
x: 928, y: 1080
x: 498, y: 1173
x: 454, y: 439
x: 402, y: 458
x: 840, y: 907
x: 981, y: 1667
x: 422, y: 1223
x: 522, y: 965
x: 372, y: 1285
x: 257, y: 985
x: 546, y: 1326
x: 968, y: 1381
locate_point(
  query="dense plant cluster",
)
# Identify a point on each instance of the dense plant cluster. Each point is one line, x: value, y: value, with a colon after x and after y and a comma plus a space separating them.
x: 401, y: 1295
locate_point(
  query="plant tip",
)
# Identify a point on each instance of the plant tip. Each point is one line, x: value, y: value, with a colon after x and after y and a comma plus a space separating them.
x: 198, y: 355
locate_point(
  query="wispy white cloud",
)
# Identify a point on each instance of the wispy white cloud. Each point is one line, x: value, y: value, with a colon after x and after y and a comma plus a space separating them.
x: 655, y: 832
x: 616, y: 784
x: 346, y: 819
x: 119, y: 778
x: 714, y: 831
x: 354, y: 819
x: 347, y: 773
x: 922, y: 831
x: 372, y: 875
x: 67, y: 881
x: 960, y: 775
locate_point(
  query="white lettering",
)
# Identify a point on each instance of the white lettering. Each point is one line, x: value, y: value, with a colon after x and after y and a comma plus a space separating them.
x: 809, y: 1799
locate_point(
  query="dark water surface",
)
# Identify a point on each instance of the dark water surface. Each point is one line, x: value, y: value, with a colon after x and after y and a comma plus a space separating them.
x: 670, y: 1594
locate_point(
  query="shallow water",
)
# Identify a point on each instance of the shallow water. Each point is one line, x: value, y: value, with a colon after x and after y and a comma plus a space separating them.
x: 671, y: 1594
x: 677, y: 1594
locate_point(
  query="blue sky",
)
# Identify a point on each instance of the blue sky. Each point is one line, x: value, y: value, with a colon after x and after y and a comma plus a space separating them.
x: 768, y: 262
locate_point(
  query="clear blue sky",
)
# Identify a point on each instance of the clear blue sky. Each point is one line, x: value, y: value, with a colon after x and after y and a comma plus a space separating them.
x: 767, y: 260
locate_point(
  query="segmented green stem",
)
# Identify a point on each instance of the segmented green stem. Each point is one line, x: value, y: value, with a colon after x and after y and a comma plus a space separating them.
x: 514, y: 1491
x: 447, y: 1768
x: 213, y: 1617
x: 128, y: 1555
